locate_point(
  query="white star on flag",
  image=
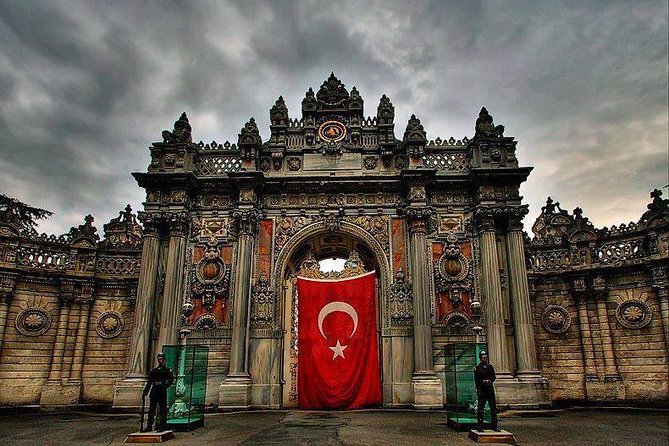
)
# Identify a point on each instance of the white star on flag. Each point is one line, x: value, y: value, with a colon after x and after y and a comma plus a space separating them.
x: 338, y: 350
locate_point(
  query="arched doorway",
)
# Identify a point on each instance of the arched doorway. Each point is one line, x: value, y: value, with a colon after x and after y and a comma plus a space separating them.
x: 301, y: 256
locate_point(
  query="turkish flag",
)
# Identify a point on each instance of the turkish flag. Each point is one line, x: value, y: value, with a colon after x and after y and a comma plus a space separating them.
x: 338, y: 359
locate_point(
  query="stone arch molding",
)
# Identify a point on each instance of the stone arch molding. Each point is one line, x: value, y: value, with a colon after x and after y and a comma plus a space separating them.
x: 345, y: 228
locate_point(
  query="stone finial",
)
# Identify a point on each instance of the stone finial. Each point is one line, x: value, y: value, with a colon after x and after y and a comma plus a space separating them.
x: 278, y: 114
x: 123, y: 231
x: 84, y: 232
x: 332, y: 91
x: 486, y: 128
x: 181, y: 132
x: 385, y: 112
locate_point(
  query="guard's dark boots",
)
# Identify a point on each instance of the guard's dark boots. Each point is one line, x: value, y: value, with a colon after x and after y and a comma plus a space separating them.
x: 496, y: 429
x: 479, y: 427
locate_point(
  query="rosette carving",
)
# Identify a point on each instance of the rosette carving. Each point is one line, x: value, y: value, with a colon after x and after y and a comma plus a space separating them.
x: 109, y: 325
x: 556, y: 319
x: 33, y: 321
x: 634, y: 314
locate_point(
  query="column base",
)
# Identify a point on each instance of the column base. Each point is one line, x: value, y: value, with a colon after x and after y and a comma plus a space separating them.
x: 128, y: 393
x: 58, y: 395
x: 523, y: 392
x: 427, y: 391
x: 235, y: 393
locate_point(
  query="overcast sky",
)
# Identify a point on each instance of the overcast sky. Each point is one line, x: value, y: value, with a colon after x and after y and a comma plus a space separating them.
x: 85, y: 87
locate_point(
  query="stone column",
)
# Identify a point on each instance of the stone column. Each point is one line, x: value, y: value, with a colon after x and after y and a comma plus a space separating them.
x: 139, y: 361
x: 610, y: 367
x: 526, y: 354
x: 492, y: 299
x: 235, y: 391
x: 56, y: 392
x: 426, y: 386
x: 586, y: 334
x: 81, y: 339
x: 7, y: 287
x: 660, y: 283
x: 170, y: 313
x: 127, y: 392
x: 55, y: 373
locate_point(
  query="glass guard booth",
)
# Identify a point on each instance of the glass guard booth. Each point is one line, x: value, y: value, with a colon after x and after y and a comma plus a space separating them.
x: 186, y: 397
x: 461, y: 399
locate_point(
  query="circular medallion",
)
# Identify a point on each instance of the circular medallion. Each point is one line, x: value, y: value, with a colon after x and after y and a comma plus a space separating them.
x: 332, y: 131
x: 109, y: 324
x: 210, y: 271
x: 453, y: 268
x: 556, y: 319
x: 33, y: 321
x: 457, y: 320
x: 633, y: 314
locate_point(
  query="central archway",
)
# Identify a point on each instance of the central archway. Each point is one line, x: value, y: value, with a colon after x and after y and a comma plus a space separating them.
x: 318, y: 240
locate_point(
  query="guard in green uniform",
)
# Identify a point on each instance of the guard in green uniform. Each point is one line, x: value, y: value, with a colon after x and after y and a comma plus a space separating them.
x: 484, y: 377
x: 160, y: 379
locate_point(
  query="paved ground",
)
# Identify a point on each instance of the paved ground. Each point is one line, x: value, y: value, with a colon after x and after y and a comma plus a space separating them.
x: 294, y: 428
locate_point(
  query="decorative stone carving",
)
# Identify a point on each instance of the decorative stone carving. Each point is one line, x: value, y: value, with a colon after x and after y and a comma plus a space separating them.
x: 370, y: 162
x: 212, y: 275
x: 400, y: 301
x: 419, y: 218
x: 33, y: 321
x: 556, y: 319
x: 634, y: 314
x: 246, y: 221
x: 109, y: 324
x: 181, y: 132
x: 294, y: 164
x: 486, y: 128
x: 457, y: 321
x: 207, y: 321
x: 123, y: 231
x: 262, y: 302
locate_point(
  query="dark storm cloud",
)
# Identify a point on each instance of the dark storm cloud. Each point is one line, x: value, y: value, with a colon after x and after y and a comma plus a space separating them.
x: 86, y: 86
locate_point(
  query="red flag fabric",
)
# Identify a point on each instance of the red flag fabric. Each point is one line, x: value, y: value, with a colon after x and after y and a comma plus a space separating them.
x: 338, y: 360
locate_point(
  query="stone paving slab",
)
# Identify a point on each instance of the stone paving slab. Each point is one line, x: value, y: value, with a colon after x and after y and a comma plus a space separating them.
x: 350, y: 428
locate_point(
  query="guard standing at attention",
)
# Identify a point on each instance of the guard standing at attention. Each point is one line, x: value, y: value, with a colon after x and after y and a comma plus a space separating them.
x: 484, y: 377
x: 160, y: 379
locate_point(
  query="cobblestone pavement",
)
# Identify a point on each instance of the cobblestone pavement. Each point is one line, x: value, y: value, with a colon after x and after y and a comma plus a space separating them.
x: 574, y: 427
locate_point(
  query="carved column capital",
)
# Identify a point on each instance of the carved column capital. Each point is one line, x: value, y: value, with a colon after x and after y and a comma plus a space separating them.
x: 419, y: 218
x: 660, y: 281
x: 246, y: 220
x: 7, y: 287
x: 179, y: 223
x: 579, y: 286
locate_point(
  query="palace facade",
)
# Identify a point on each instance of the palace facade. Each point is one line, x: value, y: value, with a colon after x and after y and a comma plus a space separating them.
x: 573, y: 314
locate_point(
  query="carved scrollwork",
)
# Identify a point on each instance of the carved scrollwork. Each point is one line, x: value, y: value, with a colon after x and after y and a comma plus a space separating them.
x: 400, y: 301
x: 207, y: 321
x: 634, y: 314
x: 556, y: 319
x: 419, y: 218
x: 33, y: 321
x: 212, y: 275
x: 262, y: 302
x: 109, y: 324
x: 456, y: 321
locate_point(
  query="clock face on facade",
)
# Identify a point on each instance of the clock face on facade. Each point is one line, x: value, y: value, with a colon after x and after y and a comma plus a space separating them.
x: 332, y: 131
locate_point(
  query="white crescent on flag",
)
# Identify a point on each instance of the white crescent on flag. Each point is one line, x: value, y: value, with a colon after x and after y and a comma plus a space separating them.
x: 337, y: 306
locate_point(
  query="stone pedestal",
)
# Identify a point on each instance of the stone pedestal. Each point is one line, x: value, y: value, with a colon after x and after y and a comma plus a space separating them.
x: 128, y: 393
x: 149, y: 437
x: 235, y: 393
x: 492, y: 436
x: 522, y: 392
x: 57, y: 395
x: 427, y: 392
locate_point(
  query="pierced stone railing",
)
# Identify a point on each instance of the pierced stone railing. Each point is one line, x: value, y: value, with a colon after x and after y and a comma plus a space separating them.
x: 620, y: 252
x: 369, y: 140
x: 447, y: 161
x: 41, y: 258
x: 124, y: 266
x: 210, y: 165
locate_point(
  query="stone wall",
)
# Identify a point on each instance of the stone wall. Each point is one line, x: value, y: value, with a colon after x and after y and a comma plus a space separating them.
x: 66, y: 312
x: 600, y: 302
